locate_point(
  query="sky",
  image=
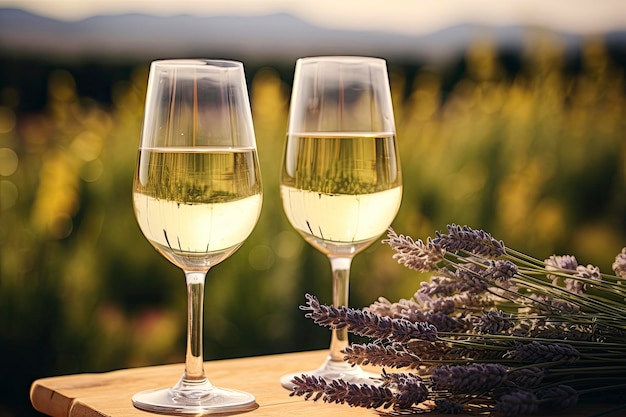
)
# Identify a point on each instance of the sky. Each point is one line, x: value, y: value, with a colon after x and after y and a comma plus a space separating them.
x: 402, y: 16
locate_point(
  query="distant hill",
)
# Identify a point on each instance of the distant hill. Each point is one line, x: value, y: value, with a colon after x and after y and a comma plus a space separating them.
x: 271, y: 37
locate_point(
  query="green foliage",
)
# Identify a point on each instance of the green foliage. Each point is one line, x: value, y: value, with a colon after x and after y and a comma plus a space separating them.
x: 537, y: 159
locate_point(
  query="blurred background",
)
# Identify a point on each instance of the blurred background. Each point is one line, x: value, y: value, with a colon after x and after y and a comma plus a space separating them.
x: 511, y: 118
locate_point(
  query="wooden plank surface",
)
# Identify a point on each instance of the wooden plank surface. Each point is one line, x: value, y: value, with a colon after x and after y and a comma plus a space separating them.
x: 109, y: 394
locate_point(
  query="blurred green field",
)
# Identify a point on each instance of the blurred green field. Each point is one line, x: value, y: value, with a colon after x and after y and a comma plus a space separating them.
x: 536, y: 158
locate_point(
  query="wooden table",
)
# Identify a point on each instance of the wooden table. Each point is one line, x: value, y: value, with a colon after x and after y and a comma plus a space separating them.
x: 109, y: 394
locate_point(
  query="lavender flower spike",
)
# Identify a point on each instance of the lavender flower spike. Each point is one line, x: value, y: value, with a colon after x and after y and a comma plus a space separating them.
x: 527, y: 377
x: 416, y: 255
x: 392, y: 356
x: 447, y: 406
x: 477, y: 242
x: 367, y: 396
x: 308, y: 386
x: 499, y: 271
x: 493, y: 322
x: 619, y: 266
x: 410, y: 391
x: 471, y: 379
x: 517, y: 403
x: 366, y: 323
x: 565, y: 263
x: 559, y: 397
x: 535, y: 352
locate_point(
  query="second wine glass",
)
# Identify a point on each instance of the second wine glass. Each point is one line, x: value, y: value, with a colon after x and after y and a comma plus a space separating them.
x: 341, y: 184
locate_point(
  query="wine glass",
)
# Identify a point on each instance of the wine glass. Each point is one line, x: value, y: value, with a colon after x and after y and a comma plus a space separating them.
x: 341, y: 184
x: 197, y: 196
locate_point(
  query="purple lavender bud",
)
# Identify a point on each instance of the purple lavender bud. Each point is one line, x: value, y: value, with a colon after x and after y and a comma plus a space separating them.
x: 445, y: 323
x: 465, y: 238
x: 527, y: 377
x: 443, y: 305
x: 447, y: 406
x: 382, y: 307
x: 438, y: 286
x: 565, y: 263
x: 416, y: 255
x: 619, y: 266
x: 404, y: 309
x: 404, y: 330
x: 500, y: 271
x: 494, y: 322
x: 475, y: 354
x: 408, y: 390
x: 559, y: 397
x: 470, y: 277
x: 411, y: 389
x: 502, y: 390
x: 470, y: 379
x: 517, y: 403
x: 536, y: 352
x: 340, y: 392
x: 308, y: 386
x: 367, y: 396
x: 366, y: 323
x: 588, y: 272
x: 392, y: 356
x: 575, y: 286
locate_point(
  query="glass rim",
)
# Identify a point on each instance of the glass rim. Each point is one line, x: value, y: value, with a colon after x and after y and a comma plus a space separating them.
x: 345, y: 59
x: 197, y: 62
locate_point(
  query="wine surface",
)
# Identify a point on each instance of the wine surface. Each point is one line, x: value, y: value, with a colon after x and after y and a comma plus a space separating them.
x: 197, y: 205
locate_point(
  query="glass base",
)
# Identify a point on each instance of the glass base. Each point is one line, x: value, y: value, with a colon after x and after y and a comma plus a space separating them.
x: 336, y: 370
x: 203, y: 398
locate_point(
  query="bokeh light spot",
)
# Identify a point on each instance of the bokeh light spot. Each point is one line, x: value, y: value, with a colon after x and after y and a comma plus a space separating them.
x: 87, y: 146
x: 261, y: 257
x: 287, y: 244
x: 8, y: 161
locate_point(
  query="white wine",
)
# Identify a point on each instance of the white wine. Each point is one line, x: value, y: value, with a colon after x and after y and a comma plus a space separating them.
x: 197, y: 205
x: 341, y: 218
x: 341, y: 191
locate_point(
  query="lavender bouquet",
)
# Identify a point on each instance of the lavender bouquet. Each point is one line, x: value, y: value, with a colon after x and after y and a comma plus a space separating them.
x: 494, y: 330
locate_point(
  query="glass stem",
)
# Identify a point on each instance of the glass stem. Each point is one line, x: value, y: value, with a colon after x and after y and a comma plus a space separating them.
x: 341, y: 288
x: 194, y: 362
